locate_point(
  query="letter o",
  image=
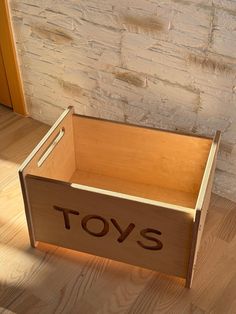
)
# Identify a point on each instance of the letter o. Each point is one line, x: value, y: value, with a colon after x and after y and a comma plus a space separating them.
x: 102, y: 233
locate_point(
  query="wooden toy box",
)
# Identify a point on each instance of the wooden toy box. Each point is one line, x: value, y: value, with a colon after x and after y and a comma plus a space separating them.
x: 133, y: 194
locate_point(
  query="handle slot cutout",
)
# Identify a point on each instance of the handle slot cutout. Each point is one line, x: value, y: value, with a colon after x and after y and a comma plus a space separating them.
x: 51, y: 147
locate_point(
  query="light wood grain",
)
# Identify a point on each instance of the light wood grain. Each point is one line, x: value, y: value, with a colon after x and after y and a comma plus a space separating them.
x: 140, y: 155
x: 54, y: 166
x: 10, y: 60
x: 56, y: 280
x: 60, y: 163
x: 175, y: 226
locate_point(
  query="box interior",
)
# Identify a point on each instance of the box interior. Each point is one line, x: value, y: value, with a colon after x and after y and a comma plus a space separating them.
x: 154, y: 164
x: 144, y: 162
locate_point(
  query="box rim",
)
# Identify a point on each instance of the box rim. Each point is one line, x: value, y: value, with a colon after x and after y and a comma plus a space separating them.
x: 144, y: 126
x: 207, y: 171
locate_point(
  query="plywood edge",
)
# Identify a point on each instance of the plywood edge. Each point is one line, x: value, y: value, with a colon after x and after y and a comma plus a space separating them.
x: 76, y: 115
x: 10, y: 60
x: 22, y: 174
x: 28, y: 215
x: 208, y: 169
x: 191, y: 266
x: 202, y: 207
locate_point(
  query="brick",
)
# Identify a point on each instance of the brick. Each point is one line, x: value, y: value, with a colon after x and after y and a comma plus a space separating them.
x: 224, y: 35
x: 159, y: 59
x: 190, y: 24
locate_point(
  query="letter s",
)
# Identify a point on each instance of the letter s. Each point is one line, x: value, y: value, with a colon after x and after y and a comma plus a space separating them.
x: 144, y: 233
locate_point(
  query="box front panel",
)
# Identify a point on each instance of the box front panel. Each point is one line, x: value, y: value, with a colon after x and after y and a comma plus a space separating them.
x: 122, y: 229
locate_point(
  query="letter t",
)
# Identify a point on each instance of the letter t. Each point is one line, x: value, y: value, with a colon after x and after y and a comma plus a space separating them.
x: 66, y: 213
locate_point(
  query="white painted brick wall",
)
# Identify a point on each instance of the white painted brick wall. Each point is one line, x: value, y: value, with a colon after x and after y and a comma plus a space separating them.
x: 169, y: 64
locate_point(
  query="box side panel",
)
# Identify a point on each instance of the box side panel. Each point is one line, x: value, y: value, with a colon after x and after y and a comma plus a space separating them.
x: 202, y: 207
x: 141, y: 155
x: 117, y: 228
x: 59, y: 163
x: 56, y: 153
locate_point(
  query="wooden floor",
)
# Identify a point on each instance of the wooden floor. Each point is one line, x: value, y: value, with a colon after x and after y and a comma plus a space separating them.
x: 55, y: 280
